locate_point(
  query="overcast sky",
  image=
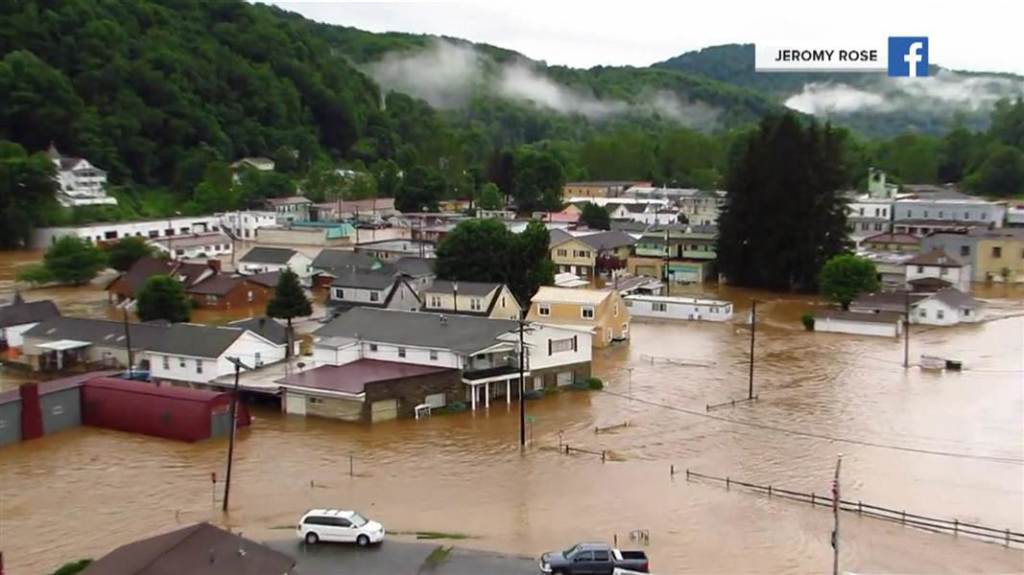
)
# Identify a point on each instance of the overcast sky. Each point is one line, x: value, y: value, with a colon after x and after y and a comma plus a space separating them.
x: 980, y: 35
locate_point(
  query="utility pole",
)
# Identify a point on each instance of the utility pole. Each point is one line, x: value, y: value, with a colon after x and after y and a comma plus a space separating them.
x: 753, y: 331
x: 231, y: 438
x: 455, y: 297
x: 906, y: 329
x: 128, y: 341
x: 522, y: 387
x: 668, y: 284
x: 835, y: 513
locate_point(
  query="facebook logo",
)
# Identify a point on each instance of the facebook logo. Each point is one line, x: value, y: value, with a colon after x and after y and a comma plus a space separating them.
x: 908, y: 56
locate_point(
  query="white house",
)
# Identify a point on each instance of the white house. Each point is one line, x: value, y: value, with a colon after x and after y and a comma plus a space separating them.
x: 678, y: 308
x: 79, y: 183
x: 290, y: 209
x: 948, y: 306
x: 938, y: 265
x: 484, y: 299
x: 199, y: 354
x: 205, y: 245
x: 245, y: 225
x: 20, y: 316
x: 881, y: 324
x: 486, y: 351
x: 374, y: 288
x: 254, y: 163
x: 262, y: 259
x: 108, y: 232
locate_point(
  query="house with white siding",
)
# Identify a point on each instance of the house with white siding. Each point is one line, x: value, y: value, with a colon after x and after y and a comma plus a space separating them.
x: 881, y: 324
x: 79, y: 183
x: 484, y: 350
x: 948, y: 306
x: 938, y: 267
x: 485, y: 299
x: 373, y: 288
x: 260, y: 260
x: 20, y: 316
x: 678, y: 308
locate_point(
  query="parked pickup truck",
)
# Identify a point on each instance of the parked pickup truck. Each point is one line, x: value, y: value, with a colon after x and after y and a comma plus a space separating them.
x: 593, y: 559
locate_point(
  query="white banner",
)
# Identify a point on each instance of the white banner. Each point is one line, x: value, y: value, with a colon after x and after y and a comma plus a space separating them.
x: 867, y: 58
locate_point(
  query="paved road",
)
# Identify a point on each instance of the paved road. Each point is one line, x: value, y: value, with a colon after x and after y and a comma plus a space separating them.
x: 398, y: 558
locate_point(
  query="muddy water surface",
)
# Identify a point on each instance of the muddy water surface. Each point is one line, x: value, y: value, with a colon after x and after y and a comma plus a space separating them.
x: 89, y: 490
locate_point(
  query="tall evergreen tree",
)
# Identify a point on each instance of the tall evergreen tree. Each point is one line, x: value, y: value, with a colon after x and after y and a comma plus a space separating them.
x: 289, y: 302
x: 784, y: 217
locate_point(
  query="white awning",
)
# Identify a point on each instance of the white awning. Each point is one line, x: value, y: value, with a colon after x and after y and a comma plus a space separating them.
x: 64, y: 344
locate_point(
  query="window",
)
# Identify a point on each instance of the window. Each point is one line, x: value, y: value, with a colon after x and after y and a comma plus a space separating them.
x: 658, y: 307
x: 433, y: 355
x: 154, y: 233
x: 940, y: 214
x: 257, y: 359
x: 401, y: 352
x: 965, y: 250
x: 583, y: 556
x: 922, y: 312
x: 374, y: 296
x: 615, y: 310
x: 474, y: 304
x: 211, y: 298
x: 560, y: 345
x: 601, y: 555
x: 967, y: 215
x: 543, y: 309
x: 167, y: 362
x: 943, y: 271
x: 587, y: 312
x: 920, y: 269
x: 561, y: 252
x: 199, y: 366
x: 249, y: 296
x: 926, y: 214
x: 435, y: 301
x: 997, y: 252
x: 940, y: 313
x: 878, y: 227
x: 502, y: 301
x: 373, y: 347
x: 984, y: 215
x: 339, y: 293
x: 181, y: 362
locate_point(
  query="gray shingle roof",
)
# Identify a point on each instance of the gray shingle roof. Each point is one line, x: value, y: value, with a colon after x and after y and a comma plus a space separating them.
x: 465, y: 288
x: 330, y: 259
x: 269, y: 255
x: 460, y: 333
x: 415, y: 266
x: 607, y: 240
x: 21, y: 312
x: 558, y: 236
x: 936, y: 257
x: 380, y: 279
x: 182, y: 338
x: 264, y: 326
x: 956, y: 299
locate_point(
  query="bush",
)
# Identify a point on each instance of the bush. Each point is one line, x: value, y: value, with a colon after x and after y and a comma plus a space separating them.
x: 73, y: 567
x: 594, y: 383
x: 35, y: 274
x: 808, y: 320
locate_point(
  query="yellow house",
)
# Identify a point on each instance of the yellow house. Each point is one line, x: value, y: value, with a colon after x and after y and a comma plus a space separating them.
x: 1000, y: 255
x: 602, y: 312
x: 598, y: 189
x: 578, y: 254
x: 492, y: 300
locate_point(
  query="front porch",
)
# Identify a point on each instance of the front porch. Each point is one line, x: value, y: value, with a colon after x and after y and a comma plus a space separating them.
x: 483, y: 385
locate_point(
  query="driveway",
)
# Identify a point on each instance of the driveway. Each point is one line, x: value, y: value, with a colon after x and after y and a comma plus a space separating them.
x: 398, y: 558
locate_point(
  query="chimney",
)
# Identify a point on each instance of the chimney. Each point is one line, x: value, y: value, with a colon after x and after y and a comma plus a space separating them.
x: 214, y: 265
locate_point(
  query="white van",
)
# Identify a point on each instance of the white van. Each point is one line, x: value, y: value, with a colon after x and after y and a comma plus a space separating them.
x: 339, y: 526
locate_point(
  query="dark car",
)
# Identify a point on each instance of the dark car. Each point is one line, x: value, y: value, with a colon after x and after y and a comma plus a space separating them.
x: 593, y: 559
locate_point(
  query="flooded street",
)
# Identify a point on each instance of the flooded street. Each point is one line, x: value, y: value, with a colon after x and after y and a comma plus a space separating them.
x: 465, y: 473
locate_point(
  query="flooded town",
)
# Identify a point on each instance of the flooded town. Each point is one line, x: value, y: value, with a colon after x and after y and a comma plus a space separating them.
x: 521, y: 320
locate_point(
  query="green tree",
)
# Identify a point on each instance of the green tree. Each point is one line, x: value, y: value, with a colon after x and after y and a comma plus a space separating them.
x: 255, y: 185
x: 289, y: 302
x: 163, y: 297
x: 490, y: 197
x: 422, y: 188
x: 595, y: 217
x: 486, y: 251
x: 1001, y: 174
x: 323, y: 182
x: 73, y: 260
x: 846, y: 276
x: 27, y: 193
x: 784, y: 217
x: 128, y: 250
x: 538, y: 180
x: 217, y: 191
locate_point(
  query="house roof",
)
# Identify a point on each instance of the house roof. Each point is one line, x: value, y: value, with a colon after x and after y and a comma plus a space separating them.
x: 886, y: 300
x: 866, y: 317
x: 599, y: 241
x: 20, y: 312
x: 180, y: 338
x: 268, y: 279
x: 200, y: 549
x: 269, y: 255
x: 465, y: 288
x: 460, y: 333
x: 548, y: 294
x: 329, y: 259
x: 191, y: 240
x: 628, y: 226
x: 558, y: 237
x: 221, y: 284
x: 366, y: 279
x: 635, y: 208
x: 956, y: 299
x: 131, y: 281
x: 887, y: 238
x: 267, y: 327
x: 289, y: 200
x: 414, y: 266
x: 353, y: 377
x: 929, y: 284
x: 936, y: 257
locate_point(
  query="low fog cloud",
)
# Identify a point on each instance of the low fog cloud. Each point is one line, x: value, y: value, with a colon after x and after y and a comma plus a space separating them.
x: 447, y: 75
x: 946, y: 89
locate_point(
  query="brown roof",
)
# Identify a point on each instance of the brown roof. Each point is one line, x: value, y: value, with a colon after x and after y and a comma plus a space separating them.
x: 268, y: 279
x: 289, y: 200
x: 877, y: 317
x: 217, y: 285
x: 892, y: 239
x: 200, y: 549
x: 936, y: 257
x: 956, y: 299
x: 131, y: 281
x: 894, y: 301
x: 929, y: 284
x: 353, y: 377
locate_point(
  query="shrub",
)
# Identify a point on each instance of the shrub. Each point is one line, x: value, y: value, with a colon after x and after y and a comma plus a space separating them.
x: 35, y: 274
x: 808, y: 320
x: 594, y: 383
x: 73, y: 567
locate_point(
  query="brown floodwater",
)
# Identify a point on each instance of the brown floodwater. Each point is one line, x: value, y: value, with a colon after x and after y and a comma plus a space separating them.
x: 82, y: 492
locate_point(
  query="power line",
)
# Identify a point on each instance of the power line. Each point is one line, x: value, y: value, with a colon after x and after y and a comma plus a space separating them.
x: 992, y: 458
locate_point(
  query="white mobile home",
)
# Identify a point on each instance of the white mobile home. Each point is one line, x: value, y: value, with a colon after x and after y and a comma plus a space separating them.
x: 680, y: 308
x: 881, y: 324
